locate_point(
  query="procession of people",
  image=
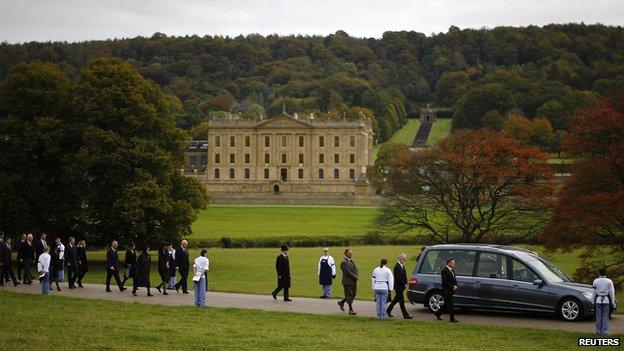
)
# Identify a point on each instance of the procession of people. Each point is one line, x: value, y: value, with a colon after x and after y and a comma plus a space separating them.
x: 52, y: 260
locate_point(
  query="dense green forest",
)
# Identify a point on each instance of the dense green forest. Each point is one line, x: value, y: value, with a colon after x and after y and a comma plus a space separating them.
x: 486, y: 75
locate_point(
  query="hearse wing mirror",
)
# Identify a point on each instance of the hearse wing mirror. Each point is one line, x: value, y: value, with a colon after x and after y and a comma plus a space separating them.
x: 538, y: 282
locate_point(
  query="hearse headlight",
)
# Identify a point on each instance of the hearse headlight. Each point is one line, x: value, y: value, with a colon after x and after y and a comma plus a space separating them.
x: 588, y: 295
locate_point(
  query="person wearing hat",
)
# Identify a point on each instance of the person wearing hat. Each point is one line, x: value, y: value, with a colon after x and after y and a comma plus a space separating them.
x: 326, y: 273
x: 282, y: 267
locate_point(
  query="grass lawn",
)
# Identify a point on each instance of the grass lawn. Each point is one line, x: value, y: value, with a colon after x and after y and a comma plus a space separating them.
x: 253, y: 270
x: 441, y: 129
x: 405, y: 135
x: 279, y: 221
x: 60, y: 323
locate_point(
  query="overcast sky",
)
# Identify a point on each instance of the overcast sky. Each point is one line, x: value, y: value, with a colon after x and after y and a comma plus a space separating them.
x: 78, y: 20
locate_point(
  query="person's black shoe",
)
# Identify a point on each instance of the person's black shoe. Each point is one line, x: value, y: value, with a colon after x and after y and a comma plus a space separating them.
x: 123, y: 289
x: 80, y: 285
x: 185, y: 292
x: 408, y: 316
x: 341, y: 305
x: 287, y: 300
x: 134, y: 292
x: 389, y: 314
x: 274, y: 295
x: 454, y: 321
x: 109, y: 290
x: 165, y: 292
x: 71, y: 287
x: 438, y: 317
x: 150, y: 295
x: 177, y: 289
x: 16, y: 284
x: 158, y: 288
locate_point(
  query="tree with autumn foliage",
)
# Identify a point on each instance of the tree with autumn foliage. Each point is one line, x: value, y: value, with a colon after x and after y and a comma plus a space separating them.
x: 590, y: 208
x: 474, y: 186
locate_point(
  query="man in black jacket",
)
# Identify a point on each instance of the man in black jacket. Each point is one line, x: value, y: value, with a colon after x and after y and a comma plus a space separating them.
x: 282, y: 266
x: 112, y: 267
x: 2, y: 258
x: 449, y: 288
x: 182, y: 257
x: 27, y: 253
x: 81, y: 255
x: 71, y: 261
x: 39, y: 246
x: 19, y: 248
x: 400, y: 283
x: 7, y: 263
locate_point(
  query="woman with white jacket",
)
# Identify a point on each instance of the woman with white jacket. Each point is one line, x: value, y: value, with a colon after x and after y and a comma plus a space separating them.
x: 383, y: 282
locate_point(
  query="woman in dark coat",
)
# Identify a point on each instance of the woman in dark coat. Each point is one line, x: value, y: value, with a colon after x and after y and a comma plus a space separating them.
x: 173, y: 265
x: 83, y: 266
x: 56, y: 265
x: 141, y: 277
x: 129, y: 263
x: 163, y: 268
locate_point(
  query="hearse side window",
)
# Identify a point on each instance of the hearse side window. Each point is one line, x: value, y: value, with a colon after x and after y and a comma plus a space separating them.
x: 492, y: 265
x: 435, y: 260
x: 521, y: 272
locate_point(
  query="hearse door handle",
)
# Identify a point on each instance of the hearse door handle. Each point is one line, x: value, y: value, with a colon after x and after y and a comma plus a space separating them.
x: 478, y: 281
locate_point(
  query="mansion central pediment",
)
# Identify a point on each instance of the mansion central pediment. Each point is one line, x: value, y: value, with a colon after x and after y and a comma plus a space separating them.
x: 282, y: 122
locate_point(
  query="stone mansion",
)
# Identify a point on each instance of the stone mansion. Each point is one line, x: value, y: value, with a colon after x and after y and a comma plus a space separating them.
x: 282, y: 155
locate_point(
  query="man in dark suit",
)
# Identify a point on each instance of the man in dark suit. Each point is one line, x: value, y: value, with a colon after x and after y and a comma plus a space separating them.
x: 282, y: 266
x: 71, y: 262
x: 2, y: 258
x: 112, y: 267
x: 39, y: 246
x: 83, y: 267
x: 19, y: 248
x: 7, y: 263
x: 182, y: 256
x: 349, y: 281
x: 400, y: 284
x: 449, y: 288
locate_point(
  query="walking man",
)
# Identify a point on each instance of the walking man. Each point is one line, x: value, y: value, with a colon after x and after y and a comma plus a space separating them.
x: 83, y: 268
x: 28, y: 256
x: 282, y: 266
x: 2, y: 258
x: 112, y: 267
x: 400, y: 284
x: 182, y: 256
x: 349, y: 281
x: 7, y: 263
x: 130, y: 263
x: 40, y: 245
x: 19, y: 248
x: 60, y: 249
x: 326, y: 273
x: 604, y: 297
x: 43, y: 267
x: 71, y: 262
x: 449, y: 288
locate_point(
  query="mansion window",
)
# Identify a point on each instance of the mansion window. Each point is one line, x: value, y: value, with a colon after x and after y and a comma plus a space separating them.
x: 247, y: 158
x: 231, y: 173
x: 301, y: 141
x: 267, y: 158
x: 193, y: 161
x: 352, y: 158
x: 267, y: 141
x: 321, y: 141
x: 337, y: 141
x: 300, y: 173
x: 217, y: 158
x: 284, y: 141
x: 283, y: 158
x: 352, y: 174
x: 247, y: 141
x: 321, y: 158
x: 336, y: 173
x: 216, y: 173
x: 217, y: 141
x: 321, y: 174
x: 336, y: 158
x: 300, y: 158
x: 232, y: 141
x: 266, y: 173
x: 352, y: 140
x: 203, y: 160
x: 247, y: 174
x: 232, y: 158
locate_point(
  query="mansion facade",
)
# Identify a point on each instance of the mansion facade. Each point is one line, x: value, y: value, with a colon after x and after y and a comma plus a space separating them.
x: 282, y: 155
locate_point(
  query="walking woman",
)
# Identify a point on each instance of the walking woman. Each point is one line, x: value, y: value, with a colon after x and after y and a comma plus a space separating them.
x: 163, y: 268
x: 200, y: 268
x: 56, y: 264
x: 129, y: 263
x: 142, y: 272
x: 383, y: 282
x: 83, y: 267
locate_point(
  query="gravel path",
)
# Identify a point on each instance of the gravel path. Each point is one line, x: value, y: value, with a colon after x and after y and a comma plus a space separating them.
x: 318, y: 306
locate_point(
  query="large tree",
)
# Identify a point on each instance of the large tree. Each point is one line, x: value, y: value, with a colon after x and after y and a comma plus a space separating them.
x: 474, y: 186
x: 590, y: 208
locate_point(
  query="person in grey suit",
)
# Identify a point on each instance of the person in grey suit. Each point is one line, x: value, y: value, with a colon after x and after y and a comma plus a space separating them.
x: 349, y: 281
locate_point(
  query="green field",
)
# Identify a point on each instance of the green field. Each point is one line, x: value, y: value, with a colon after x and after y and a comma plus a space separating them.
x: 441, y: 129
x: 280, y: 221
x: 60, y: 323
x: 405, y: 135
x: 253, y: 270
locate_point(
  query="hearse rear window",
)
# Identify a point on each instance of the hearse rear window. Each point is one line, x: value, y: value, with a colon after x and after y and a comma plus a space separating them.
x: 435, y: 261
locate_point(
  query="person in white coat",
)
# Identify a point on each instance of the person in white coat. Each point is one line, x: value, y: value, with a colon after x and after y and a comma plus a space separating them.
x: 326, y: 273
x: 383, y: 282
x: 43, y: 267
x: 200, y: 268
x: 604, y: 297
